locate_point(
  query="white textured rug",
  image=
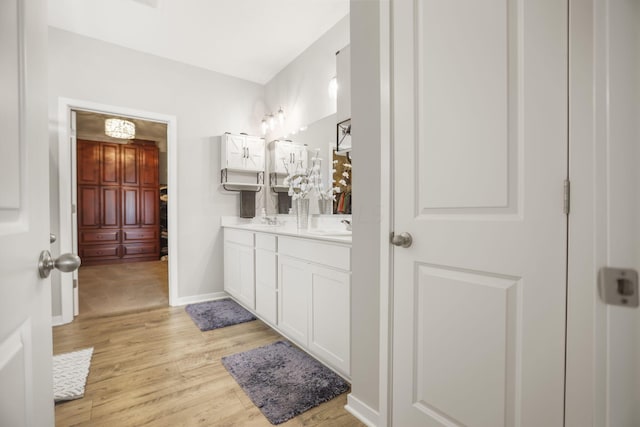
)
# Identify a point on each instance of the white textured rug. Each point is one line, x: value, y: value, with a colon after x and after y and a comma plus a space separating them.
x: 70, y: 371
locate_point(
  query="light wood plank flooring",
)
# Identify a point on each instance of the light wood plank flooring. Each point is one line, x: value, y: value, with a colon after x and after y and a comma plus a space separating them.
x: 155, y: 368
x: 120, y: 288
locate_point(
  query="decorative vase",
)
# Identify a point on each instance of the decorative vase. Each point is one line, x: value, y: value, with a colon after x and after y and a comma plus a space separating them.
x: 325, y: 206
x: 302, y: 213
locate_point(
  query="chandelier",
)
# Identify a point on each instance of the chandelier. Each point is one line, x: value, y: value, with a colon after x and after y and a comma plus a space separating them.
x: 118, y: 128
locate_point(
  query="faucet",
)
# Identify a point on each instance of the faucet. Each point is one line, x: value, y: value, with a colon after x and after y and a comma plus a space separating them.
x: 271, y: 220
x: 347, y: 224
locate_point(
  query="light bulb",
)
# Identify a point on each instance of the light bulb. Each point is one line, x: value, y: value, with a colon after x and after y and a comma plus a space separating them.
x: 281, y: 116
x: 264, y: 126
x: 333, y: 88
x: 272, y: 122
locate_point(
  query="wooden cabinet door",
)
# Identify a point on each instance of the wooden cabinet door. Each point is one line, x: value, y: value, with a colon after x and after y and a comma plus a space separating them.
x: 109, y: 164
x: 110, y: 207
x: 294, y: 281
x: 130, y: 160
x: 130, y: 206
x: 88, y: 206
x: 329, y: 332
x: 88, y: 163
x: 149, y: 206
x: 149, y: 166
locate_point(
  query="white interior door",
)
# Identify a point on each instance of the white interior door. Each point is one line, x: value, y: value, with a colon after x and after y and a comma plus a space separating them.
x: 480, y: 155
x: 26, y: 391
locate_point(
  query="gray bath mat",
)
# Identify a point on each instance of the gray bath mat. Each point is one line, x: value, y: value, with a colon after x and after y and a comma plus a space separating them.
x: 70, y: 371
x: 283, y: 381
x: 218, y: 314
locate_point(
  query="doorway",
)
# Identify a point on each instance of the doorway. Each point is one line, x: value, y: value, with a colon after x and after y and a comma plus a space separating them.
x: 161, y: 276
x: 121, y: 216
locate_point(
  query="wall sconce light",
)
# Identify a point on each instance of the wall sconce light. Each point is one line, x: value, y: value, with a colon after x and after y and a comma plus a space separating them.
x: 269, y: 121
x: 333, y: 88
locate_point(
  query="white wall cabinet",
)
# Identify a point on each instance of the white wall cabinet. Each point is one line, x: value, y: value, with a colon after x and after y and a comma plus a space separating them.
x: 302, y: 288
x: 343, y: 77
x: 242, y: 153
x: 239, y: 266
x: 286, y: 155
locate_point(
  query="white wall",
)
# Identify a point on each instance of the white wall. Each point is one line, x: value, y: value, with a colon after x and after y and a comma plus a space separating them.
x: 301, y: 88
x: 206, y: 105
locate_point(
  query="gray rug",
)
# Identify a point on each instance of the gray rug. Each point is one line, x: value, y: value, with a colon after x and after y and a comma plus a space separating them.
x: 283, y: 381
x: 218, y: 314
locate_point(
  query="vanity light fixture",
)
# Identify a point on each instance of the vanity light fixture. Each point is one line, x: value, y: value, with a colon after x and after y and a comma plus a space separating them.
x: 118, y: 128
x: 333, y: 88
x: 272, y: 121
x: 269, y: 121
x: 264, y: 126
x: 281, y: 116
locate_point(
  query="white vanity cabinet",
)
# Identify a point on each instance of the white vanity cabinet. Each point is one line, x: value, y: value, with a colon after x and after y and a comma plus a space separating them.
x: 266, y: 277
x: 314, y: 284
x: 242, y: 153
x: 239, y: 266
x: 299, y: 286
x: 286, y: 155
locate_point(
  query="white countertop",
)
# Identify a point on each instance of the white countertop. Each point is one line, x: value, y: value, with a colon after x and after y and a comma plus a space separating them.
x: 328, y: 233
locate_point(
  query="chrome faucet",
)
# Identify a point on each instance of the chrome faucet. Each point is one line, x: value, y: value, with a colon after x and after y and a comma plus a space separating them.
x: 271, y: 220
x: 347, y: 224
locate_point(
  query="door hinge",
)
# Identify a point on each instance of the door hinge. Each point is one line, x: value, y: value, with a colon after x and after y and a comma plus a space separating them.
x: 75, y: 283
x: 73, y: 209
x: 567, y: 196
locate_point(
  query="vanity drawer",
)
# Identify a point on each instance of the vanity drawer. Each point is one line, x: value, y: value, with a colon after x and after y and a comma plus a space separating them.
x: 139, y: 234
x: 266, y: 241
x: 238, y: 236
x: 99, y: 236
x: 318, y: 252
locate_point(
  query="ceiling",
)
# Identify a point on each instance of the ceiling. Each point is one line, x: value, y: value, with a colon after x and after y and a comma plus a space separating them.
x: 249, y: 39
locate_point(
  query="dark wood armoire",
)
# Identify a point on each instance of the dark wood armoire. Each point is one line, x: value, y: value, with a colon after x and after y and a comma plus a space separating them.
x: 118, y: 202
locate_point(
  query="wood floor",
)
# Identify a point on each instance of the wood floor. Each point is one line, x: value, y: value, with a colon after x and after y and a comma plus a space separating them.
x: 120, y: 288
x: 155, y: 368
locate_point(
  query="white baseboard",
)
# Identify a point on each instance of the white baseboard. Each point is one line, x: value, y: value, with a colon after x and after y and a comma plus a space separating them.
x: 57, y: 321
x: 199, y: 298
x: 361, y: 411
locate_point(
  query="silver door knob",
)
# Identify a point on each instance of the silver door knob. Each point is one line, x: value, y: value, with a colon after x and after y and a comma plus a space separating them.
x: 403, y: 239
x: 65, y: 263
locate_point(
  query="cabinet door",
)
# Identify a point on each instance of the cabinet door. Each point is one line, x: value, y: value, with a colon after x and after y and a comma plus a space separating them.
x: 294, y: 282
x: 130, y: 206
x: 110, y: 164
x: 246, y: 276
x: 148, y: 166
x: 149, y: 206
x: 130, y: 165
x: 232, y: 268
x: 88, y: 163
x: 110, y: 207
x: 300, y: 154
x: 255, y: 154
x: 233, y: 152
x: 88, y: 206
x: 266, y: 283
x: 329, y: 332
x: 282, y: 158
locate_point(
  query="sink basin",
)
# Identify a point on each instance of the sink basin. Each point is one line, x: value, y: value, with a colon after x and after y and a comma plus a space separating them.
x: 329, y: 232
x: 265, y: 226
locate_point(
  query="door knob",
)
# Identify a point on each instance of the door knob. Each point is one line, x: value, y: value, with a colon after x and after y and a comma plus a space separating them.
x: 403, y: 239
x: 65, y: 263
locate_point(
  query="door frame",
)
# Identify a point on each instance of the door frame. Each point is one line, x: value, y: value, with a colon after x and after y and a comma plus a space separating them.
x: 66, y: 169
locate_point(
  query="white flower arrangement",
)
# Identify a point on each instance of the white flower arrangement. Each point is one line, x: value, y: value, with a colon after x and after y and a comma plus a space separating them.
x: 303, y: 181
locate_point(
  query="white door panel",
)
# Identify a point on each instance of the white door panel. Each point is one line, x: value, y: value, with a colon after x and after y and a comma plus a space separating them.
x: 480, y: 140
x: 26, y: 390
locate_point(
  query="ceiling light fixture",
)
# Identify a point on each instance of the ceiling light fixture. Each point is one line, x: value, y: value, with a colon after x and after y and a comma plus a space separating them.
x: 118, y: 128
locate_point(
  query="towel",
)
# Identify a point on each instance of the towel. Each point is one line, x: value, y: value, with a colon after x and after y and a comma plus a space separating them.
x: 247, y: 204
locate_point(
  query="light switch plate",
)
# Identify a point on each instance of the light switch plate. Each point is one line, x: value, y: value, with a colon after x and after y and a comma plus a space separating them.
x: 619, y: 286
